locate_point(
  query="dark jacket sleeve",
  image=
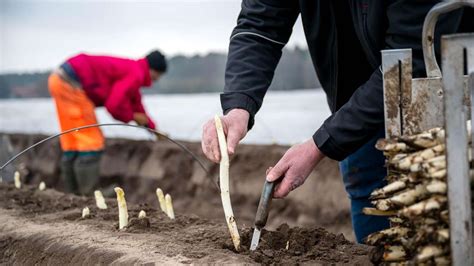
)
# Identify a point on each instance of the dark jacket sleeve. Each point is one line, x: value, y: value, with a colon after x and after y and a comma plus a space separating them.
x: 263, y: 28
x: 363, y: 115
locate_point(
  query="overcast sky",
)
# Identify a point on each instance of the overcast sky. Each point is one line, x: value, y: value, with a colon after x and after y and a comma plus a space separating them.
x: 38, y: 35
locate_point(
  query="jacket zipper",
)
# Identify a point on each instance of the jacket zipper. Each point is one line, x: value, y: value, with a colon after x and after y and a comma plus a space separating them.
x: 365, y: 42
x: 335, y: 66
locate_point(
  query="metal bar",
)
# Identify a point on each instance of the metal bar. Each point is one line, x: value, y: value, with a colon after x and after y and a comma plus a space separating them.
x: 426, y: 110
x: 157, y: 133
x: 397, y: 76
x: 470, y: 89
x: 406, y: 92
x: 432, y: 68
x: 457, y: 148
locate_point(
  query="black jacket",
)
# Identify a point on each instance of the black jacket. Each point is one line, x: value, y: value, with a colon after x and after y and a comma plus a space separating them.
x: 344, y: 39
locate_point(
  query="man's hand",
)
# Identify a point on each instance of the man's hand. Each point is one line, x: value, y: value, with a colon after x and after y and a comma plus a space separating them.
x: 235, y: 128
x: 140, y: 118
x: 294, y: 167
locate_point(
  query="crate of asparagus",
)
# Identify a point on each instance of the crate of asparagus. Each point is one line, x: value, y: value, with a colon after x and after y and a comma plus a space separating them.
x: 415, y: 200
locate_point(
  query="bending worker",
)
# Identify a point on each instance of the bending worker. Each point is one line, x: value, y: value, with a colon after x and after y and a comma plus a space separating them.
x: 84, y: 82
x: 344, y: 40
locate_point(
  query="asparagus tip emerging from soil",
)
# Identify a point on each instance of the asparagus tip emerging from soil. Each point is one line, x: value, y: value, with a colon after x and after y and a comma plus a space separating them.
x: 161, y: 199
x: 141, y: 214
x: 17, y: 180
x: 122, y: 206
x: 169, y: 206
x: 99, y: 200
x: 86, y: 213
x: 42, y: 186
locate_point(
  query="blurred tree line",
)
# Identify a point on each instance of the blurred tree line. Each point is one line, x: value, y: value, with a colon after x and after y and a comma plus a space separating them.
x: 186, y: 75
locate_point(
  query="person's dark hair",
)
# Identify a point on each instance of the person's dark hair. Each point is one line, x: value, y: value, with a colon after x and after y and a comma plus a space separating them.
x: 156, y: 61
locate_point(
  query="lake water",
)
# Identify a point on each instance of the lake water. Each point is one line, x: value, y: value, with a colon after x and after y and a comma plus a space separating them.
x: 286, y: 117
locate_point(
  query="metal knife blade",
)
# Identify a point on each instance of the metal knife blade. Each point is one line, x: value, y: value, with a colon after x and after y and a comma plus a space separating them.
x: 255, y: 239
x: 262, y: 213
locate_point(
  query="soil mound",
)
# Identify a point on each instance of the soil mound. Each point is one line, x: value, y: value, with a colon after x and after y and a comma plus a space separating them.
x: 141, y: 166
x: 44, y: 227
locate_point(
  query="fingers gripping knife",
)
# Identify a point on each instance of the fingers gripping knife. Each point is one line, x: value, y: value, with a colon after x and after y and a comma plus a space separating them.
x: 262, y: 213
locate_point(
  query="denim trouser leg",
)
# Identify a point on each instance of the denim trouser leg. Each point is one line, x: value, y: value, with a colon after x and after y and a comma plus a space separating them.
x: 362, y: 172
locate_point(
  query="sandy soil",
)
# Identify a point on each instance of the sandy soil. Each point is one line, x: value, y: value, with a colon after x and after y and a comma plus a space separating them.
x: 52, y: 231
x: 142, y: 166
x: 45, y: 227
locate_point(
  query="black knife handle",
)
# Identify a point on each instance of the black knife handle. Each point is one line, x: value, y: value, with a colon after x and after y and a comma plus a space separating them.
x: 264, y: 204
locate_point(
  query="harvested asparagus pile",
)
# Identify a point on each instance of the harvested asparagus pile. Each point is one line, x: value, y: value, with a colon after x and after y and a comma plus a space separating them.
x: 415, y: 199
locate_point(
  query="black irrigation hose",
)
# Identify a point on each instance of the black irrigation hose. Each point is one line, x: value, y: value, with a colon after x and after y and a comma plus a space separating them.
x: 184, y: 148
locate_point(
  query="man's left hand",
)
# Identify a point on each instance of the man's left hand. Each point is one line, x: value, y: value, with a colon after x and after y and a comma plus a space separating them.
x: 140, y: 118
x: 294, y: 167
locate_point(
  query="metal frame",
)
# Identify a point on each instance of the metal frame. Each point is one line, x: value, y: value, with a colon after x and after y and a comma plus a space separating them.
x: 397, y: 73
x: 457, y: 148
x: 410, y: 105
x: 432, y: 68
x: 415, y: 105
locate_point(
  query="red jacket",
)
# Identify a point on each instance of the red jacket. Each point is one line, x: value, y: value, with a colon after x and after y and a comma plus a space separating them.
x: 114, y: 83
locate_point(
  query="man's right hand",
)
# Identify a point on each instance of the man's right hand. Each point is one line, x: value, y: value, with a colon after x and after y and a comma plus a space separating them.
x: 235, y: 124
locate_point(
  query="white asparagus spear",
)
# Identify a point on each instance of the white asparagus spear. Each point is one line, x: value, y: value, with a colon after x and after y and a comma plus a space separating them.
x: 427, y: 139
x: 388, y: 189
x: 440, y: 174
x: 422, y: 221
x: 390, y: 146
x: 99, y: 200
x: 443, y: 235
x: 416, y: 167
x: 42, y: 186
x: 86, y: 212
x: 394, y: 253
x: 375, y: 212
x: 169, y: 206
x: 430, y: 166
x: 122, y: 206
x: 396, y: 158
x: 141, y: 214
x: 17, y: 180
x: 428, y: 252
x: 442, y: 261
x: 404, y: 198
x: 387, y: 234
x: 444, y: 215
x: 224, y: 185
x: 434, y: 203
x: 161, y: 199
x: 431, y: 137
x: 437, y: 187
x: 420, y: 156
x: 396, y: 220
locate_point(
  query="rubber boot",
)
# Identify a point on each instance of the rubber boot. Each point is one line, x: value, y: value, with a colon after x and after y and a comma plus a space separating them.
x: 67, y: 172
x: 86, y: 168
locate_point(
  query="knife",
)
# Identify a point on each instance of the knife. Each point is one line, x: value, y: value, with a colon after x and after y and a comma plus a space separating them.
x: 262, y: 213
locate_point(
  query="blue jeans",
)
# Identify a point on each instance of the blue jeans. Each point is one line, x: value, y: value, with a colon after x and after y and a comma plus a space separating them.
x: 362, y: 172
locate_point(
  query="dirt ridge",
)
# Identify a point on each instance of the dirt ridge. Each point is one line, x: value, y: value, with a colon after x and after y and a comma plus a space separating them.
x: 141, y: 166
x: 45, y: 227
